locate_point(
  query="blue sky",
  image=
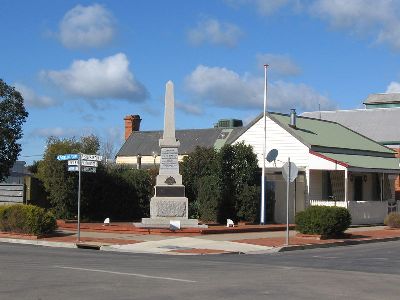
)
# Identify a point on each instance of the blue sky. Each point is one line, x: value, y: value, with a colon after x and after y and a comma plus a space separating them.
x: 82, y: 66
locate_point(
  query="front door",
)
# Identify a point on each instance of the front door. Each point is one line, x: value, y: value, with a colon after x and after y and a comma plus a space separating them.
x: 358, y: 188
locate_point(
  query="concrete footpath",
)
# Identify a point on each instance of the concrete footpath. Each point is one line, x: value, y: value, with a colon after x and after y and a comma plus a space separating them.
x: 244, y: 239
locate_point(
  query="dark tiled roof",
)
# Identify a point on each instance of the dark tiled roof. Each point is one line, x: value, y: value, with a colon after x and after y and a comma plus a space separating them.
x: 145, y: 142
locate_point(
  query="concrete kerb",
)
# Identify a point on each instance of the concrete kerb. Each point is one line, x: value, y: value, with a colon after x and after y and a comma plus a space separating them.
x: 336, y: 244
x: 38, y: 243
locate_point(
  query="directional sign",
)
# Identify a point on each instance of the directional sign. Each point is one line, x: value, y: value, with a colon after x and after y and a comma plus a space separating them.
x: 67, y: 156
x: 89, y: 169
x: 73, y: 168
x: 89, y: 163
x: 92, y: 157
x: 74, y: 162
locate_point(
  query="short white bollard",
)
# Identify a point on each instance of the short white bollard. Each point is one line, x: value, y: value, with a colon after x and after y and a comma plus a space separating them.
x: 229, y: 223
x: 174, y: 224
x: 106, y: 222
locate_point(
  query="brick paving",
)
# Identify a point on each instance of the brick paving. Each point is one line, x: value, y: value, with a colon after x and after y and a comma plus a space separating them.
x: 313, y: 240
x: 261, y: 235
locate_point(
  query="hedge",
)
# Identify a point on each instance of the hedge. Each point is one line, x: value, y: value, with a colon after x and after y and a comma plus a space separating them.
x: 28, y: 219
x: 328, y: 221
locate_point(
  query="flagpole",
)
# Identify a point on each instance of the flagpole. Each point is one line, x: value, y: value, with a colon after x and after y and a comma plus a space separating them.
x: 262, y: 218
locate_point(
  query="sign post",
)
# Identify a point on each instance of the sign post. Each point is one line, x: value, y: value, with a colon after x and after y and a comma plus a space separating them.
x: 79, y: 196
x: 289, y: 172
x: 80, y: 163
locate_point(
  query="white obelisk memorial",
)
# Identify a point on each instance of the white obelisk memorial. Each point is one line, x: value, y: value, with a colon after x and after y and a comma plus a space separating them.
x: 169, y: 202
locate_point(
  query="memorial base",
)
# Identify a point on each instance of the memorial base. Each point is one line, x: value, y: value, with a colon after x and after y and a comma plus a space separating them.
x: 165, y: 223
x: 166, y: 209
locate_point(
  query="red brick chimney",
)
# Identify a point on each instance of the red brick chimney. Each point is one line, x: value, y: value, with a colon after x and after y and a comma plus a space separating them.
x: 132, y: 123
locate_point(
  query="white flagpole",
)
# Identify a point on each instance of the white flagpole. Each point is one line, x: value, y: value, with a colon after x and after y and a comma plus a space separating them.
x: 262, y: 218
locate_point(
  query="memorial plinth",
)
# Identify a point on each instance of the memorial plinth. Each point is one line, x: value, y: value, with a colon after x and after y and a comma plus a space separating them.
x: 169, y: 202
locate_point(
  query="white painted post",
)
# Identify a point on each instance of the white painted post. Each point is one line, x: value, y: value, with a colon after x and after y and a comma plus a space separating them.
x: 262, y: 217
x: 346, y: 187
x: 308, y: 178
x: 79, y: 196
x: 287, y: 203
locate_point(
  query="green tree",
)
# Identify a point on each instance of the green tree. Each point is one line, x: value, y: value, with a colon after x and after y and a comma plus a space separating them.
x: 209, y: 198
x: 59, y: 183
x: 12, y: 116
x: 117, y: 192
x: 201, y: 162
x: 222, y: 184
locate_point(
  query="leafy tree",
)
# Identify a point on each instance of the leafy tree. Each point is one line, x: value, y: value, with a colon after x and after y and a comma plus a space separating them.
x: 209, y: 197
x: 201, y: 162
x: 222, y: 184
x: 59, y: 183
x: 12, y: 116
x: 117, y: 192
x: 247, y: 203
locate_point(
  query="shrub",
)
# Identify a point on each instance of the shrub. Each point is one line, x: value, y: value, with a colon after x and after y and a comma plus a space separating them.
x: 209, y: 198
x: 393, y: 220
x: 328, y: 221
x: 247, y: 203
x: 28, y: 219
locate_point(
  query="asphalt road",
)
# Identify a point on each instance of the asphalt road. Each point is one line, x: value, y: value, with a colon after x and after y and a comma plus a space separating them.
x: 370, y: 271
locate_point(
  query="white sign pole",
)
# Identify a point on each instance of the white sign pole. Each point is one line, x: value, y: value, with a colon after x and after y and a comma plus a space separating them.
x: 262, y: 217
x: 287, y: 203
x: 79, y: 197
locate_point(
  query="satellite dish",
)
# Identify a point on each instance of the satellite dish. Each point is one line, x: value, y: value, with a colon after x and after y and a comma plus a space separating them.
x: 272, y: 155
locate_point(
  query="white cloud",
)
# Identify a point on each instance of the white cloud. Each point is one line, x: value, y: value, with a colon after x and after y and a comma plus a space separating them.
x: 213, y: 32
x: 285, y: 95
x: 393, y: 87
x: 94, y: 79
x: 189, y: 108
x: 267, y: 7
x: 87, y: 26
x: 378, y: 18
x: 225, y: 88
x: 55, y: 131
x: 31, y: 99
x: 279, y: 64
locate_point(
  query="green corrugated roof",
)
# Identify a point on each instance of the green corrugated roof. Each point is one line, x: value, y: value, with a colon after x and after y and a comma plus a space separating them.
x: 365, y: 161
x: 315, y: 132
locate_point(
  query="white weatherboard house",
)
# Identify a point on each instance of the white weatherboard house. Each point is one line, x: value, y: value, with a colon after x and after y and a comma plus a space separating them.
x: 337, y: 166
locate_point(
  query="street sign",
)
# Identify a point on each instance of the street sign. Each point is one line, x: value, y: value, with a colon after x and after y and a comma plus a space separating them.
x: 73, y: 168
x: 294, y: 171
x: 67, y: 156
x: 89, y: 163
x: 74, y: 162
x: 89, y: 169
x: 92, y: 157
